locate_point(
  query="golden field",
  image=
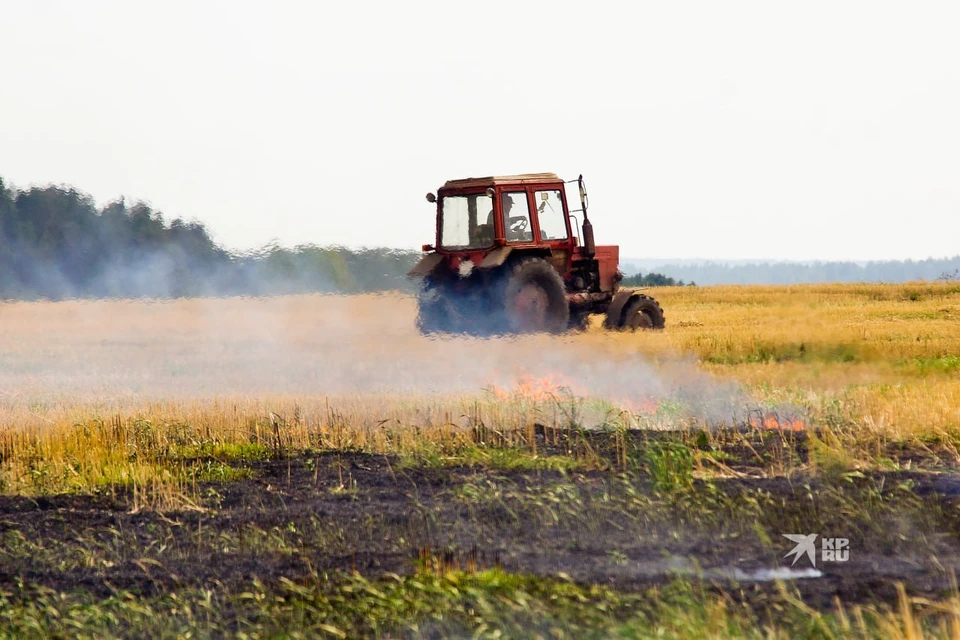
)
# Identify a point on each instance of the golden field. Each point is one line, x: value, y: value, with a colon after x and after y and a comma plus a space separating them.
x: 312, y: 465
x: 888, y: 354
x: 80, y: 380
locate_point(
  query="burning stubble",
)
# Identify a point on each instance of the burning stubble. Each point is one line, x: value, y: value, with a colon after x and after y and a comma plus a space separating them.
x: 126, y: 354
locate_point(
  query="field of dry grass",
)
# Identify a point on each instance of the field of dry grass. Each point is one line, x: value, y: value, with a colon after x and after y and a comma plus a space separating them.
x: 885, y: 357
x: 888, y: 356
x: 846, y: 394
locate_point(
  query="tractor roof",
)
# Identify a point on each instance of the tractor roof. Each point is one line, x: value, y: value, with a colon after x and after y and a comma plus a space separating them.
x: 491, y: 181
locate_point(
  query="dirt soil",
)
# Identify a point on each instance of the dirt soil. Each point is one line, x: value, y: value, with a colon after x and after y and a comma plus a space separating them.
x: 376, y: 515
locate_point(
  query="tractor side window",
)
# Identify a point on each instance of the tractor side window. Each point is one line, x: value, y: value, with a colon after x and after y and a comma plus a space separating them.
x: 553, y: 225
x: 516, y: 217
x: 461, y: 226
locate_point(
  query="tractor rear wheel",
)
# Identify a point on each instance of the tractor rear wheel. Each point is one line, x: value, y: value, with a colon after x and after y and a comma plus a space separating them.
x: 535, y: 299
x: 642, y: 312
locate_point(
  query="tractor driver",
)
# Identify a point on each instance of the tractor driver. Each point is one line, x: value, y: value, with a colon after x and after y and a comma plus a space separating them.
x: 515, y: 229
x: 507, y: 205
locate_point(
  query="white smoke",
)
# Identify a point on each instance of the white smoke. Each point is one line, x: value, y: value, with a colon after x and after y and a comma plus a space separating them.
x: 322, y: 345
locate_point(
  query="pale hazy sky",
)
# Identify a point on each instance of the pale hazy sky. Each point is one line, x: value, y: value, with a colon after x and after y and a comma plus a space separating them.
x: 813, y: 130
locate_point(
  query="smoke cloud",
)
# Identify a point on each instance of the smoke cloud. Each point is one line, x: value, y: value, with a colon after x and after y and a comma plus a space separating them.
x: 363, y: 346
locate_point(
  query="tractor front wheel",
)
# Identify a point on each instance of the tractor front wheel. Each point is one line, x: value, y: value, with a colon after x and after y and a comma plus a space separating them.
x: 642, y: 312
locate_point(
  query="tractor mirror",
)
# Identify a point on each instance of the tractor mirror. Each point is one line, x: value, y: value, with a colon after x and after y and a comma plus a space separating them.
x: 584, y: 200
x: 490, y: 192
x: 431, y: 198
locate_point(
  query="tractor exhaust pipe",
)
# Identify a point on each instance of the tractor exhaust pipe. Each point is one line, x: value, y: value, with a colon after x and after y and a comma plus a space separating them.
x: 589, y: 244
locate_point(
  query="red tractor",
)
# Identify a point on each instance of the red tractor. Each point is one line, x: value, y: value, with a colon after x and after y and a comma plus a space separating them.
x: 508, y: 259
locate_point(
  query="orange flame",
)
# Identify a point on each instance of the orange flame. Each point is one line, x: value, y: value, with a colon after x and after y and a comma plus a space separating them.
x: 646, y: 406
x: 537, y: 389
x: 772, y: 422
x: 552, y: 387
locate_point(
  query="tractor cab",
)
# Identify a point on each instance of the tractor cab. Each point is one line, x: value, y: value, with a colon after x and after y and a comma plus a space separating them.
x: 478, y: 215
x: 508, y: 256
x: 482, y: 221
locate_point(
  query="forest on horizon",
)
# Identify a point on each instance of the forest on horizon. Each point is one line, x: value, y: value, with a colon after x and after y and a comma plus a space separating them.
x: 55, y: 243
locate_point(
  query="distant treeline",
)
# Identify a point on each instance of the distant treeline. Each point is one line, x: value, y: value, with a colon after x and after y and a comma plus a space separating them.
x: 55, y: 243
x: 653, y: 280
x: 708, y: 273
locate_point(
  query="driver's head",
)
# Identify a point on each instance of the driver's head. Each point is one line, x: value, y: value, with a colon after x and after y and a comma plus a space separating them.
x: 507, y: 202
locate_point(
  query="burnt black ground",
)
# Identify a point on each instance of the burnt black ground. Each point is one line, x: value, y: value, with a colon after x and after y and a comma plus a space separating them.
x: 310, y: 513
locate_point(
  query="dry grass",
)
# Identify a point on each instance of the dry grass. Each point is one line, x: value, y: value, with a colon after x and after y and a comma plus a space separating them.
x: 876, y: 324
x: 887, y: 356
x: 154, y: 398
x: 98, y: 392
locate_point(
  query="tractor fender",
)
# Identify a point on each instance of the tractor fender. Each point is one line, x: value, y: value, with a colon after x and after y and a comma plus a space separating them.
x: 426, y: 265
x: 496, y: 257
x: 615, y: 310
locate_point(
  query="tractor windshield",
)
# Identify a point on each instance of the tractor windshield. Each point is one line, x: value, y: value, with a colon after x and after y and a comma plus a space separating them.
x: 466, y: 222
